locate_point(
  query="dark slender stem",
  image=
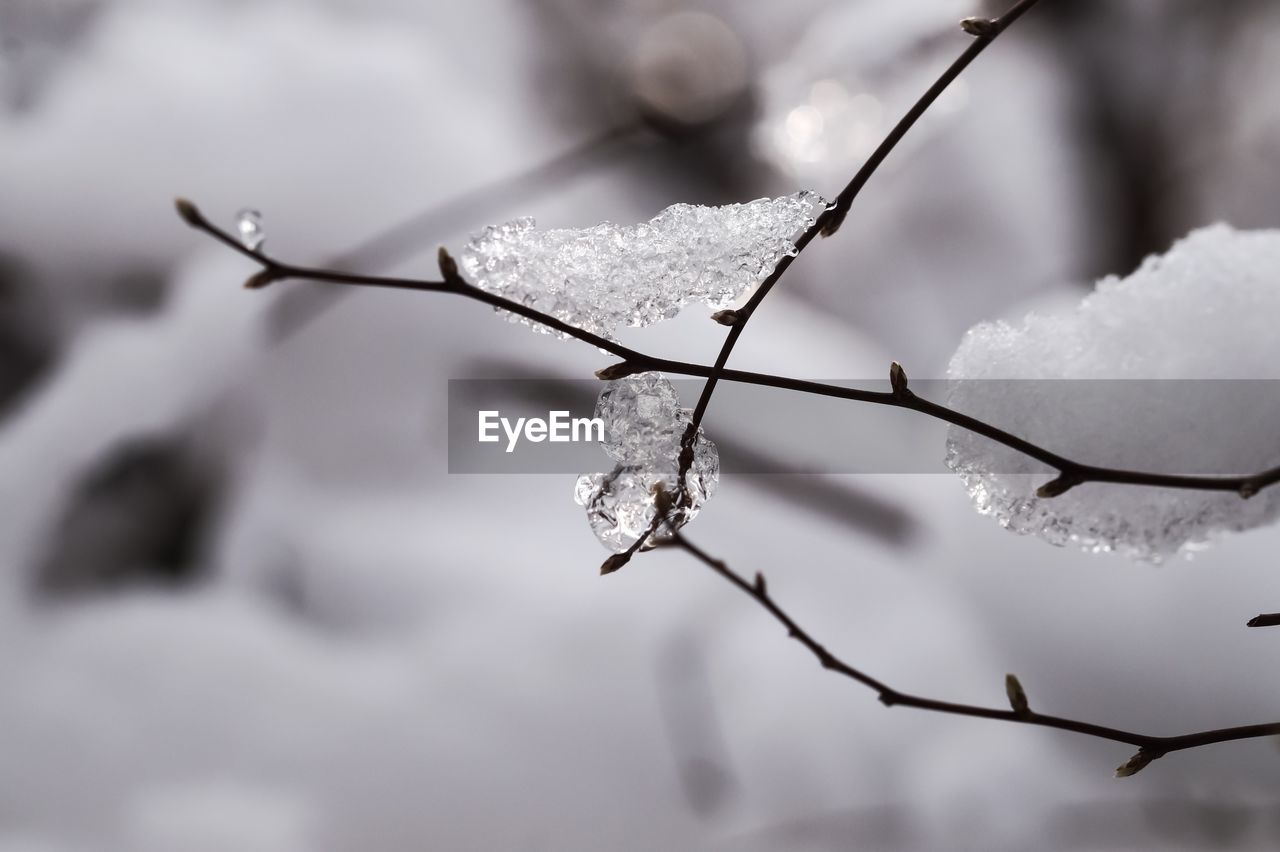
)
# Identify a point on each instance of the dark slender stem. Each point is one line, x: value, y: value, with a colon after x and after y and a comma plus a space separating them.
x: 1150, y: 747
x: 1267, y: 619
x: 828, y: 222
x: 1071, y: 472
x: 276, y: 270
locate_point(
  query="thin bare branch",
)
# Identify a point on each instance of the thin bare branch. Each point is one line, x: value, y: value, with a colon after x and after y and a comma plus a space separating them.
x: 1071, y: 473
x: 1149, y: 747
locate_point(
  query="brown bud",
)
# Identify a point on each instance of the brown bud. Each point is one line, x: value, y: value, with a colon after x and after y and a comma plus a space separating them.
x: 729, y: 317
x: 262, y: 278
x: 897, y: 378
x: 834, y: 219
x: 980, y: 27
x: 448, y: 266
x: 1017, y: 695
x: 1058, y: 487
x: 1136, y: 764
x: 620, y: 370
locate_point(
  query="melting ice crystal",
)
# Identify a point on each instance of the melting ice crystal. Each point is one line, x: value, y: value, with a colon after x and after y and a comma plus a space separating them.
x: 610, y: 275
x: 644, y: 425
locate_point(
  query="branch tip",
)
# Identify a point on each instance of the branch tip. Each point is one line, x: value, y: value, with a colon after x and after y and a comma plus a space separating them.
x: 1264, y: 620
x: 189, y: 212
x: 614, y: 562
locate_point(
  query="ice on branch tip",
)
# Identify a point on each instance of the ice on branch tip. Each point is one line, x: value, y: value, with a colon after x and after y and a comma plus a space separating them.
x: 644, y: 428
x: 250, y: 228
x: 1120, y: 382
x: 606, y: 276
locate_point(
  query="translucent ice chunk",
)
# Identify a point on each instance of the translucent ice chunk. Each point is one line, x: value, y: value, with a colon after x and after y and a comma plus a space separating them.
x: 1204, y: 311
x: 643, y: 420
x: 610, y: 275
x: 644, y: 425
x: 249, y: 226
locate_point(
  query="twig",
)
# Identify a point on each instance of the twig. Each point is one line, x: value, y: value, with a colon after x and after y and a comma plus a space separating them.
x: 1149, y: 747
x: 1070, y: 472
x: 274, y: 270
x: 829, y: 221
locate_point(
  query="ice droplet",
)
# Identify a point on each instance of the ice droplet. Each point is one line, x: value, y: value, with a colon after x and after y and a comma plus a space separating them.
x: 644, y: 425
x: 249, y: 225
x: 605, y: 276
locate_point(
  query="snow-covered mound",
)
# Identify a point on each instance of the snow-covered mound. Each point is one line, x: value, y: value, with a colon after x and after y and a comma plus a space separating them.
x: 1197, y: 327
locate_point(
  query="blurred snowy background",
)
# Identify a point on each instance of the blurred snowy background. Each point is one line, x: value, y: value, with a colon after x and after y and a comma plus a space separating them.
x: 244, y: 607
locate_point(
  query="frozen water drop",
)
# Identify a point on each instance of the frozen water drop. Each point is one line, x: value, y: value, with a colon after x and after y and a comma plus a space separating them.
x: 249, y: 225
x: 644, y: 428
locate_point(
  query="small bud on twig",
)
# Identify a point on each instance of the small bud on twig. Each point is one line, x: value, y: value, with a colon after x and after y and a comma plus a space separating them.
x: 448, y: 266
x: 1136, y: 764
x: 189, y: 212
x: 835, y: 219
x: 262, y: 278
x: 617, y: 371
x: 980, y: 27
x: 1057, y: 487
x: 1248, y: 488
x: 1017, y: 695
x: 762, y: 588
x: 662, y: 500
x: 726, y: 317
x: 897, y: 379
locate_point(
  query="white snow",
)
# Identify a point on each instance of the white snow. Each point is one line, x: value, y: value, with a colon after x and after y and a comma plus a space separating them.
x: 608, y: 275
x: 1206, y: 312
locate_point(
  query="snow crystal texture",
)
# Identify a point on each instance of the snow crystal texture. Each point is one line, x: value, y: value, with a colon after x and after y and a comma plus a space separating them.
x: 1207, y: 310
x: 644, y: 425
x: 610, y: 275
